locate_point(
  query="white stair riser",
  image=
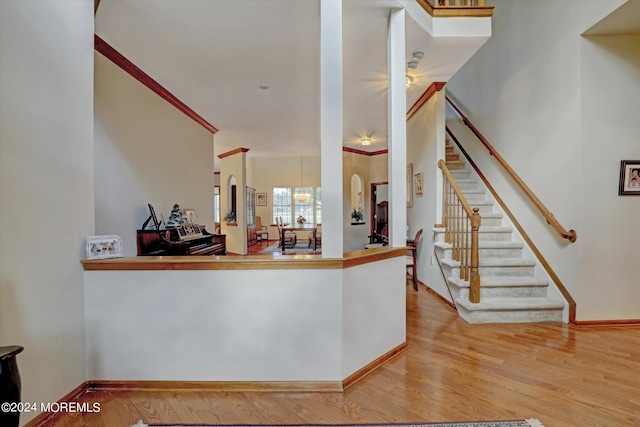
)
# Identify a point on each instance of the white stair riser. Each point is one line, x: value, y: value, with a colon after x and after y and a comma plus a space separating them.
x: 461, y: 174
x: 506, y: 271
x: 484, y: 253
x: 487, y: 221
x: 519, y: 316
x: 474, y: 197
x: 504, y: 292
x: 494, y: 236
x: 467, y: 185
x: 500, y: 252
x: 522, y: 271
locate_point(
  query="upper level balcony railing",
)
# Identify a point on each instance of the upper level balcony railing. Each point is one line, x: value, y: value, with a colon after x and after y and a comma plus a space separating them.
x: 456, y: 8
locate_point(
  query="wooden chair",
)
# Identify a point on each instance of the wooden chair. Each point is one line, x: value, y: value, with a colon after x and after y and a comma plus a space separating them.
x: 412, y: 259
x: 290, y: 238
x: 318, y: 236
x: 261, y: 230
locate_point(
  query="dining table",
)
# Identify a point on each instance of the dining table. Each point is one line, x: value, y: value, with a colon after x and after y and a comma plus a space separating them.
x: 299, y: 227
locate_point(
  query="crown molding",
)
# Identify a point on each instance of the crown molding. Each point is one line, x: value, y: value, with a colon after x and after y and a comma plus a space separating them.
x: 129, y: 67
x: 427, y: 94
x: 232, y: 152
x: 364, y: 153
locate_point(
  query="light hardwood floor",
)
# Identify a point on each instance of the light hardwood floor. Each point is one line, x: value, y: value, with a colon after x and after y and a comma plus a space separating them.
x: 452, y: 371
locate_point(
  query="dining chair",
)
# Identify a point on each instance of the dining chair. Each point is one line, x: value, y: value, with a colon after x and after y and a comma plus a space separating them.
x: 412, y: 258
x: 261, y: 230
x: 290, y: 238
x: 318, y: 236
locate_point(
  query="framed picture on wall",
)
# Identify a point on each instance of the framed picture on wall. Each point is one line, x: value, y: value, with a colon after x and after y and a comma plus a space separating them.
x: 101, y: 247
x: 418, y: 183
x: 190, y: 215
x: 409, y: 185
x: 629, y: 178
x: 261, y: 199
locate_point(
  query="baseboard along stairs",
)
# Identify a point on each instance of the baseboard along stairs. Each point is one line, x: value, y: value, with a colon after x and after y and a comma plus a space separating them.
x: 509, y: 291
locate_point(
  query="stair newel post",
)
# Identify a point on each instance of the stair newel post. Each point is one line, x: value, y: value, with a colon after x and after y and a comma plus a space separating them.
x: 474, y: 284
x: 467, y: 249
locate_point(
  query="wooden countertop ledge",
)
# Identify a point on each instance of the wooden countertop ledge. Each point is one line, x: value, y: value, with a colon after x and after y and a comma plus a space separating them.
x: 252, y: 262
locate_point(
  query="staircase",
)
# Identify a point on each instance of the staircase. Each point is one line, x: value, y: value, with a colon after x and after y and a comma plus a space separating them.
x: 510, y: 291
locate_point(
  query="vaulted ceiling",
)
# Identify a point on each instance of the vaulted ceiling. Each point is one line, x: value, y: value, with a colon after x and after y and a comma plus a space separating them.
x: 215, y: 55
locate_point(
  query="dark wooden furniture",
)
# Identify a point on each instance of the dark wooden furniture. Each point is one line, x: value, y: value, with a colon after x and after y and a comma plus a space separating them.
x: 412, y: 257
x: 10, y: 385
x: 252, y: 236
x: 289, y: 229
x: 167, y: 242
x: 382, y: 221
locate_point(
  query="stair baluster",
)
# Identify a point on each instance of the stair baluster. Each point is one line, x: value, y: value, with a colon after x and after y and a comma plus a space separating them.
x: 461, y: 225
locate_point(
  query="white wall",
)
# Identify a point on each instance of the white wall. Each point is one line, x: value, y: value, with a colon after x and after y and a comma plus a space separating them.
x: 243, y: 325
x: 46, y: 189
x: 609, y: 230
x: 146, y: 151
x: 233, y: 171
x: 524, y: 90
x: 374, y: 312
x: 425, y: 146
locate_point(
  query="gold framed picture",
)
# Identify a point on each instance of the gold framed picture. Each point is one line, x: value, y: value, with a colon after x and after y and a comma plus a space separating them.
x: 418, y: 177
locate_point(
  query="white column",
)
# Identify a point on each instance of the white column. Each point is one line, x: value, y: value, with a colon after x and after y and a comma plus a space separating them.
x: 396, y: 65
x: 331, y: 126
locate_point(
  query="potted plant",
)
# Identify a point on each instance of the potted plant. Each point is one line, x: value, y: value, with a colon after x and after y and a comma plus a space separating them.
x: 357, y: 215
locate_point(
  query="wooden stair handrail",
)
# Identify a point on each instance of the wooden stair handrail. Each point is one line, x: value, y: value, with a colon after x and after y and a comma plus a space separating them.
x: 570, y: 235
x: 465, y: 242
x: 442, y: 165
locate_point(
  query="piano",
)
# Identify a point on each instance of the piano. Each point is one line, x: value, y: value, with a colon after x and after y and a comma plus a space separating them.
x: 185, y: 239
x: 167, y: 241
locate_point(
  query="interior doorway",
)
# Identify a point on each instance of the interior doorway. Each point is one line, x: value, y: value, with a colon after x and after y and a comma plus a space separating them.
x: 379, y: 212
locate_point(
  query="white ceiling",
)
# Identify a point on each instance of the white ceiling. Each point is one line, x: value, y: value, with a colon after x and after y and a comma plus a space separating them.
x: 624, y: 20
x: 214, y: 55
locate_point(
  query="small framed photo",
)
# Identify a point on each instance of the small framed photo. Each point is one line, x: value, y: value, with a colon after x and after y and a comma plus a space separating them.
x: 629, y: 178
x: 190, y: 215
x: 101, y: 247
x: 418, y: 177
x: 261, y: 199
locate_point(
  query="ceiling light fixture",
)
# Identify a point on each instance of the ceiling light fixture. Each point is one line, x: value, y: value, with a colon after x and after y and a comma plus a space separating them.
x: 409, y: 80
x: 412, y: 65
x: 367, y: 139
x: 417, y: 55
x: 301, y: 196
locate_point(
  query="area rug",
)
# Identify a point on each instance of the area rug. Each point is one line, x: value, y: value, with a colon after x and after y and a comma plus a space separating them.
x: 301, y: 248
x: 524, y: 423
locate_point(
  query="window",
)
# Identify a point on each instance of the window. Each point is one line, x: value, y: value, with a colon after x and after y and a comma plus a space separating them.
x: 216, y: 203
x: 287, y: 207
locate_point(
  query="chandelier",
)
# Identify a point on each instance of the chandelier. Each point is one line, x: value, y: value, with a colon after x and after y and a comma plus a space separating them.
x: 300, y: 195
